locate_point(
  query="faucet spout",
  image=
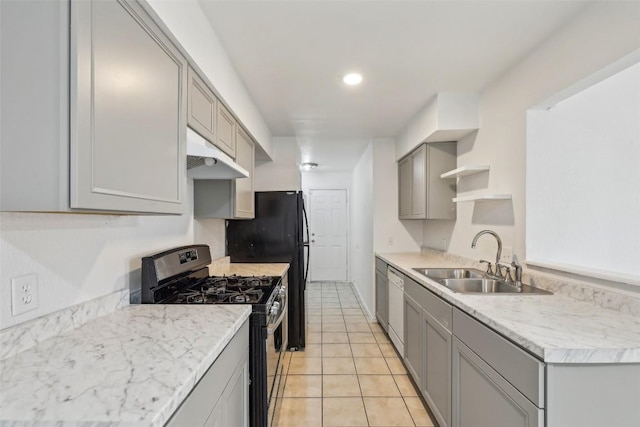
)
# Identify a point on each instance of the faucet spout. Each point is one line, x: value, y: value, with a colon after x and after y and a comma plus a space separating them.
x: 494, y: 234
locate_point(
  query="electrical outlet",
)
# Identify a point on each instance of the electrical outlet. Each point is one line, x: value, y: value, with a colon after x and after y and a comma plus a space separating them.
x: 24, y: 294
x: 507, y: 254
x: 443, y: 244
x: 390, y: 241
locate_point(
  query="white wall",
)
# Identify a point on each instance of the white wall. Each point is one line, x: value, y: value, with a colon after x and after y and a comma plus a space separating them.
x: 445, y: 117
x: 326, y: 181
x: 361, y: 229
x: 602, y: 34
x: 80, y: 257
x: 212, y: 232
x: 189, y: 25
x: 407, y: 234
x: 590, y: 221
x: 283, y: 173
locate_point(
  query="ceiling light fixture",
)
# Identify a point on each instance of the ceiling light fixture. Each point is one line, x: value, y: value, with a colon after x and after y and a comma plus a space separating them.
x: 352, y: 79
x: 308, y: 166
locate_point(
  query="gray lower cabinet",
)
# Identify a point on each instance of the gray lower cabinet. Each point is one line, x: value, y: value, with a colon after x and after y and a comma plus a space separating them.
x: 495, y: 383
x: 413, y: 338
x: 427, y: 346
x: 382, y: 294
x: 221, y: 397
x: 483, y: 398
x: 97, y: 124
x: 471, y: 376
x: 437, y: 369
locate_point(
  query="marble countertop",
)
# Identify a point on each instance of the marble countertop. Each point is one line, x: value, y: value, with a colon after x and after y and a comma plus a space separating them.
x: 248, y: 269
x: 132, y: 367
x: 556, y: 328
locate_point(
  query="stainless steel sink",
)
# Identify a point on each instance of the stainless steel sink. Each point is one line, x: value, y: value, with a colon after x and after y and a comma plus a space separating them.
x: 472, y: 281
x: 488, y: 286
x: 450, y: 273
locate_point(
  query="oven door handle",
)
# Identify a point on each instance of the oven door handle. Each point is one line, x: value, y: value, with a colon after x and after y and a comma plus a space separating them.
x: 272, y: 329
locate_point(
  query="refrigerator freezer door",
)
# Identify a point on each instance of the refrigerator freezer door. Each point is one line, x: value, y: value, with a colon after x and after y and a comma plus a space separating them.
x: 276, y: 235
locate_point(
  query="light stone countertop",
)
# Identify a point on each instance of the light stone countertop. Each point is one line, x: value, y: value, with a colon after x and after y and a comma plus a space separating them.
x: 132, y: 367
x: 556, y: 328
x: 248, y: 269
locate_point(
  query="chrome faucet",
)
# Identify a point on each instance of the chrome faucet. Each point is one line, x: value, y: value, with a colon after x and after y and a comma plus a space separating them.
x: 498, y: 254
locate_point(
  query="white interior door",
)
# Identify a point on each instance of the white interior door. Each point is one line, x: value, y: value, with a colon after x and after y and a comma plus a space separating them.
x: 328, y: 230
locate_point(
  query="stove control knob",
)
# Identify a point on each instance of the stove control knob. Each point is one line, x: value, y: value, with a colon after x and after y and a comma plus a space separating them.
x: 282, y: 292
x: 275, y: 308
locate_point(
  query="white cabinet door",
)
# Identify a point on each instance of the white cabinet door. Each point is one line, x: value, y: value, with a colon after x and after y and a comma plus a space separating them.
x: 128, y: 115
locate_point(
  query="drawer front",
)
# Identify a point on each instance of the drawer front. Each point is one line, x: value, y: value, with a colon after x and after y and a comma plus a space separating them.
x: 483, y: 398
x: 438, y: 309
x: 381, y: 266
x: 432, y: 304
x: 413, y: 289
x: 523, y: 371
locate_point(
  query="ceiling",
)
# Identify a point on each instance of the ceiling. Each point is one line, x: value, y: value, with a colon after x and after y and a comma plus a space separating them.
x: 292, y: 55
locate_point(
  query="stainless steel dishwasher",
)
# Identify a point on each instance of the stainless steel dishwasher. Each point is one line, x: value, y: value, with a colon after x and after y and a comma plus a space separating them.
x: 396, y: 309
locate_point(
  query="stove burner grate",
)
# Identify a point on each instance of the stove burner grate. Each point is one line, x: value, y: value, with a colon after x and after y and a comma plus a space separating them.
x: 226, y: 290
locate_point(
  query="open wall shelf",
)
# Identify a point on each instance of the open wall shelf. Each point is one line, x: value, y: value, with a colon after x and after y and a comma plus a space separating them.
x: 482, y: 197
x: 464, y: 171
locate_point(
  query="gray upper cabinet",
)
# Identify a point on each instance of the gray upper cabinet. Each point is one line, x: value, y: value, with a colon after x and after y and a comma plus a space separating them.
x: 226, y: 130
x: 422, y: 193
x: 228, y: 198
x: 108, y: 104
x: 128, y: 121
x: 243, y: 187
x: 405, y: 187
x: 202, y: 107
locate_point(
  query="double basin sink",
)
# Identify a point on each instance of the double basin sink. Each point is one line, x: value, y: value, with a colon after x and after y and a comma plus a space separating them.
x: 472, y: 281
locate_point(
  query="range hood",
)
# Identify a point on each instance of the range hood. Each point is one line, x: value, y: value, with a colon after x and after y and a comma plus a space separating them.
x: 205, y: 161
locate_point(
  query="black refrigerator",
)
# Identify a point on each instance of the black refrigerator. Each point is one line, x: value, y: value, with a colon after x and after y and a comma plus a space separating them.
x: 279, y: 233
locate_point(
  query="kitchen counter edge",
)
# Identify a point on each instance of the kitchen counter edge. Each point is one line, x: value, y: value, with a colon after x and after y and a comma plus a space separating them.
x: 564, y: 347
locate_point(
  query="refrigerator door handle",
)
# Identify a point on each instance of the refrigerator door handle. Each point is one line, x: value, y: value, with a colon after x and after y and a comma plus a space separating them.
x: 306, y: 244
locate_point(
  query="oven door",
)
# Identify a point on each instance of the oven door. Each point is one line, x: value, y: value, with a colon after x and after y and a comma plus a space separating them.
x: 276, y: 346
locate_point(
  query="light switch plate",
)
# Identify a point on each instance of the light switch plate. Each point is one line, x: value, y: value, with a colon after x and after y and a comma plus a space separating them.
x: 24, y: 294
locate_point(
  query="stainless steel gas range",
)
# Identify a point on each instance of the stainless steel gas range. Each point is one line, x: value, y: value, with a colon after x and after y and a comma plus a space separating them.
x: 181, y: 276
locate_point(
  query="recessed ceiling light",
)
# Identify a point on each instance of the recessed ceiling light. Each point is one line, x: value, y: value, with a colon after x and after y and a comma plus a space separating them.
x: 352, y: 79
x: 308, y: 165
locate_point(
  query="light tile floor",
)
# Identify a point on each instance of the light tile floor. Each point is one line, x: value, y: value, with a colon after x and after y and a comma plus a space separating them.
x: 349, y: 373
